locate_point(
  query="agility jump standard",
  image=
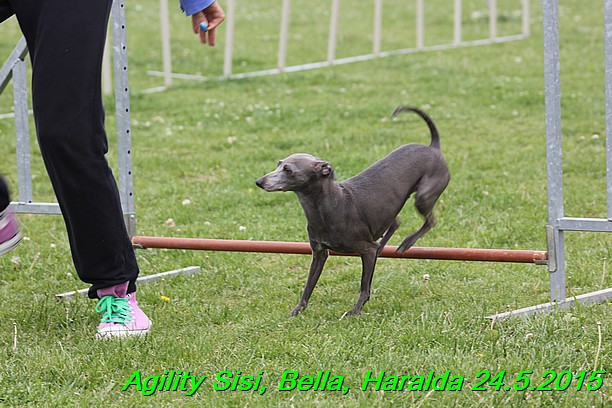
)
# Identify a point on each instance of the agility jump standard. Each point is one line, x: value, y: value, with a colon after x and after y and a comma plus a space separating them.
x: 303, y: 248
x: 557, y: 225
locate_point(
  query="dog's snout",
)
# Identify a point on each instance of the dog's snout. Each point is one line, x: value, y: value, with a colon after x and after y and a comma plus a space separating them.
x: 259, y: 183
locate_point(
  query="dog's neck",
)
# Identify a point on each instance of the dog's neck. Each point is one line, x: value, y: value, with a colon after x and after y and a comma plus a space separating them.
x: 320, y: 198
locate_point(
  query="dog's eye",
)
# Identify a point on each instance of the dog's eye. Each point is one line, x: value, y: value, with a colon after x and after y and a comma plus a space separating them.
x: 287, y: 170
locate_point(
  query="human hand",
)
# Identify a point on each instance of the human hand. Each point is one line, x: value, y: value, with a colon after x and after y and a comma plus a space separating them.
x: 212, y: 16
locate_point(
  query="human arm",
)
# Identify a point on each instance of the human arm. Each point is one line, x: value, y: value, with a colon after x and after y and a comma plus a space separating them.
x: 204, y: 11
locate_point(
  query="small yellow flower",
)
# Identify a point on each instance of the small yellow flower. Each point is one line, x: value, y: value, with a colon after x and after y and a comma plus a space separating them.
x: 165, y: 298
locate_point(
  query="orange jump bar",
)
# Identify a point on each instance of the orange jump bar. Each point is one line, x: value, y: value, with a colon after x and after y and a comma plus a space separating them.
x: 451, y: 254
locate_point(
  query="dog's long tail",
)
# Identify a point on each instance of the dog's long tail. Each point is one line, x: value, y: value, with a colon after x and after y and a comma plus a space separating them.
x: 435, y: 138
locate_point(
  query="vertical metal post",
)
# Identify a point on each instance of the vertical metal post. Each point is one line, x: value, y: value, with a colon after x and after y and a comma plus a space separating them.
x: 420, y: 24
x: 526, y: 18
x: 22, y: 131
x: 492, y: 19
x: 229, y: 38
x: 122, y: 110
x: 458, y: 22
x: 15, y: 68
x: 552, y: 97
x: 284, y: 30
x: 333, y: 31
x: 165, y: 39
x: 6, y: 71
x: 376, y: 38
x: 608, y: 66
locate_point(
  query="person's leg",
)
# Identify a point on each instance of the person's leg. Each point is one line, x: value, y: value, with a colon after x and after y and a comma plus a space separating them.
x: 10, y: 235
x: 66, y: 43
x: 5, y: 10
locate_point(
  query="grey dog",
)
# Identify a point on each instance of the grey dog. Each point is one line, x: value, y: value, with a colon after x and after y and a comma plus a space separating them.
x: 350, y: 217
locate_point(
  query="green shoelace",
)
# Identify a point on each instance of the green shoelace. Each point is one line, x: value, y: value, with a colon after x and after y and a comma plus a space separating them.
x: 114, y: 310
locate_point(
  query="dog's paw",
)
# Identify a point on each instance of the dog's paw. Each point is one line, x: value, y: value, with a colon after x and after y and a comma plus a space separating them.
x: 296, y: 310
x: 404, y: 247
x: 353, y: 312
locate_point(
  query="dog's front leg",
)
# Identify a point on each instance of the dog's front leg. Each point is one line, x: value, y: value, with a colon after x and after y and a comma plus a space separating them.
x: 368, y: 260
x: 319, y: 256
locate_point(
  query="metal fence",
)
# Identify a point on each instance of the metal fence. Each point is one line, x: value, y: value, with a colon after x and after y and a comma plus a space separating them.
x: 558, y: 223
x: 281, y: 64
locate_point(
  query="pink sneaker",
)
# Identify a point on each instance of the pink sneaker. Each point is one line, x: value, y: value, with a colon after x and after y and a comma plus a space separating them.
x: 9, y: 231
x: 121, y: 315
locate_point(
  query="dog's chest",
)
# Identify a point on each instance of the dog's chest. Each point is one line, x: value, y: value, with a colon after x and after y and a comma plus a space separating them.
x: 344, y: 232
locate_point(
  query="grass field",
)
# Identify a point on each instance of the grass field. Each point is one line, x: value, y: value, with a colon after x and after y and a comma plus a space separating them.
x: 207, y: 142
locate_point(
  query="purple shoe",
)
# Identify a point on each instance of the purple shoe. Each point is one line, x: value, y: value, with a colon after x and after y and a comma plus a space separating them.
x: 121, y: 315
x: 10, y: 235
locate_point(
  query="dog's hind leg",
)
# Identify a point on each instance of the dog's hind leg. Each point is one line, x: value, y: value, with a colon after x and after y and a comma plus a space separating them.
x: 390, y: 231
x: 319, y: 256
x: 430, y: 222
x: 368, y: 260
x: 425, y: 199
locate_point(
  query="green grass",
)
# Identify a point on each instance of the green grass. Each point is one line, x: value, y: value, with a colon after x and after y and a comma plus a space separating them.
x: 208, y: 142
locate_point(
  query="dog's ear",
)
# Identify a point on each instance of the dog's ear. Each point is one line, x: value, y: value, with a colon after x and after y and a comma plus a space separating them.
x: 324, y: 168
